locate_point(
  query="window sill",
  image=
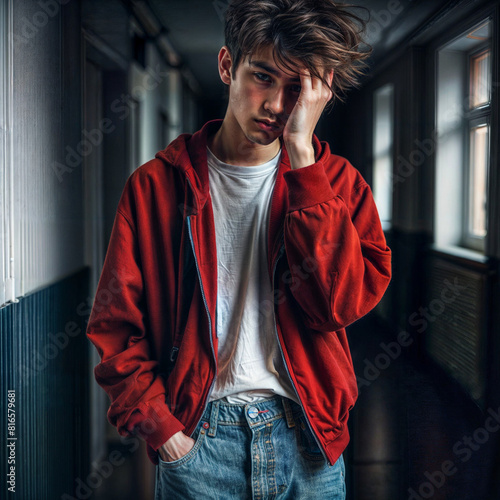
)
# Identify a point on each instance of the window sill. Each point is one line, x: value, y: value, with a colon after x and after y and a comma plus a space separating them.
x: 460, y: 254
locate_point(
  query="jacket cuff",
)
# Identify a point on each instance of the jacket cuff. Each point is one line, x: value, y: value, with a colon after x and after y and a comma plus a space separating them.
x: 155, y: 424
x: 307, y: 186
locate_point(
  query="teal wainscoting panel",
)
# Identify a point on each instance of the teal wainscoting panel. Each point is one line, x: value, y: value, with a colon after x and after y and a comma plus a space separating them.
x: 45, y: 366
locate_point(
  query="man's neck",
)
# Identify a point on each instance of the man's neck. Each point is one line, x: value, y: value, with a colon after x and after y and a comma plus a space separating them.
x: 228, y: 148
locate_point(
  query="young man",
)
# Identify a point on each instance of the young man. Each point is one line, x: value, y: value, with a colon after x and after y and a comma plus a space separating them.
x: 238, y: 256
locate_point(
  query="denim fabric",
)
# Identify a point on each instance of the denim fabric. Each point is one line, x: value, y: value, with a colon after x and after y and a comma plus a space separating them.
x: 257, y: 451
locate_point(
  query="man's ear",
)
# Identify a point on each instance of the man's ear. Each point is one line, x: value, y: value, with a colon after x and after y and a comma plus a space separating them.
x: 225, y: 65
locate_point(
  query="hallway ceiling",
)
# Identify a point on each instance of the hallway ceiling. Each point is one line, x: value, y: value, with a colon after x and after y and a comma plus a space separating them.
x: 196, y: 30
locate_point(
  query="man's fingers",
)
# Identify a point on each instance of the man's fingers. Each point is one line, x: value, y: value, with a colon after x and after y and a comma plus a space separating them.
x: 305, y: 82
x: 316, y: 85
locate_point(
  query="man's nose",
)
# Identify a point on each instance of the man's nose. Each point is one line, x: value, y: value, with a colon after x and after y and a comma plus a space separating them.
x: 275, y: 102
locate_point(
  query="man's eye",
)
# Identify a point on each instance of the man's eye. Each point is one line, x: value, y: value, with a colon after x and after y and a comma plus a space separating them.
x: 296, y: 88
x: 263, y: 77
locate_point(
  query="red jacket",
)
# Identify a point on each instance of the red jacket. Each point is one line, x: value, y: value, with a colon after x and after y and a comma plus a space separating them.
x: 156, y: 297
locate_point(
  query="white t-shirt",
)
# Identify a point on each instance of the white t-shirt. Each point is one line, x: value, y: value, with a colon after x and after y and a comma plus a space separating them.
x: 250, y: 365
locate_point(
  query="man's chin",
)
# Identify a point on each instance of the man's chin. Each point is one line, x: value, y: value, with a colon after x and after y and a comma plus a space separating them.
x: 263, y: 140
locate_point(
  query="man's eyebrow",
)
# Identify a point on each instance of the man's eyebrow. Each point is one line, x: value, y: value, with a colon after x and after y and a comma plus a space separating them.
x: 263, y: 65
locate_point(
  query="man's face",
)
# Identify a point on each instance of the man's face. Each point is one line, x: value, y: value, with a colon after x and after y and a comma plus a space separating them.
x: 261, y: 97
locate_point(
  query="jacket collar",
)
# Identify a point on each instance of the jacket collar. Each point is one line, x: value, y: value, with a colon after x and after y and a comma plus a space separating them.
x: 189, y: 154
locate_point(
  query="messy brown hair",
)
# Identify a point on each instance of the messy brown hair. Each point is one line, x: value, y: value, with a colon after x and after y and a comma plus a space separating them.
x: 322, y: 34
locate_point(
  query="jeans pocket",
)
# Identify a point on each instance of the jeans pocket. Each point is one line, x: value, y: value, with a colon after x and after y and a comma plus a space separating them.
x: 308, y: 446
x: 199, y: 437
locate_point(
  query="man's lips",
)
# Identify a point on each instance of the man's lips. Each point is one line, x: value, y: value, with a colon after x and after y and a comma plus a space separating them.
x: 268, y: 125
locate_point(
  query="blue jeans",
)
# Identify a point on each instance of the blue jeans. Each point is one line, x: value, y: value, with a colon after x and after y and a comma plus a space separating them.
x: 257, y: 451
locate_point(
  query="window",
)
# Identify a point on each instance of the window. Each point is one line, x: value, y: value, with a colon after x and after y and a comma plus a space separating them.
x: 7, y: 281
x: 463, y: 146
x: 383, y: 126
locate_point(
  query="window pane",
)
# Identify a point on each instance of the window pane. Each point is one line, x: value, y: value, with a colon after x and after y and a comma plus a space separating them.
x: 480, y: 79
x: 382, y: 151
x: 479, y: 142
x: 382, y: 186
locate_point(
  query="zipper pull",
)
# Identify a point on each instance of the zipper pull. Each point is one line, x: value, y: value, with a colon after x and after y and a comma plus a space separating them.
x: 173, y: 354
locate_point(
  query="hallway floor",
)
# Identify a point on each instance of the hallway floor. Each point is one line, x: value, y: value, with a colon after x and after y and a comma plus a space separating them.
x: 415, y: 434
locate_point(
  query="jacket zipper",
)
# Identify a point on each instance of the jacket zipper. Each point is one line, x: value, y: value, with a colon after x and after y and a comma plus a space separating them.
x: 280, y: 253
x: 188, y: 219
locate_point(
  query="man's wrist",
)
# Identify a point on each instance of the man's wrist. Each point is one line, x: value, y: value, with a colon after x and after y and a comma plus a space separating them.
x: 176, y: 447
x: 300, y: 155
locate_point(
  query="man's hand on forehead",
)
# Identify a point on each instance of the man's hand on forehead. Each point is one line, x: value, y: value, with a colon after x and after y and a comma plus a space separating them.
x: 299, y: 129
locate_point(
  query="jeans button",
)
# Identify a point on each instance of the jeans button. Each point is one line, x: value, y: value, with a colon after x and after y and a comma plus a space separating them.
x: 252, y: 412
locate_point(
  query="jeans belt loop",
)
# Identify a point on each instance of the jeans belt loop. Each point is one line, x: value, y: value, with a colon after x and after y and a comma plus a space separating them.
x: 290, y: 422
x: 214, y: 416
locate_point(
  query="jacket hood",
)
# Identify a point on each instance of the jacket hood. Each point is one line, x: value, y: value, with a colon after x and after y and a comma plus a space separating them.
x: 188, y: 154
